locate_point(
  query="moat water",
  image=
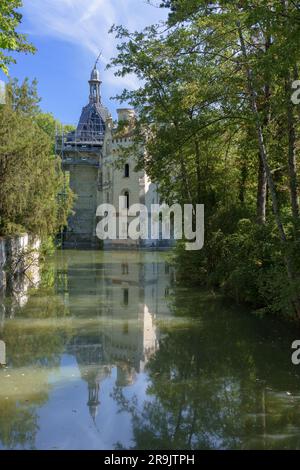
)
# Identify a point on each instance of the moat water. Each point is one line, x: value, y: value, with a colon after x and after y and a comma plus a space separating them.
x: 109, y: 353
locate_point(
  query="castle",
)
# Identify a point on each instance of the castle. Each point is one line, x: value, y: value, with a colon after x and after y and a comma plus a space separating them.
x: 88, y: 157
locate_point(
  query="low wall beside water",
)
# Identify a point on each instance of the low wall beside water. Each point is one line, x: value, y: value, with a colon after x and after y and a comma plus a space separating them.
x: 15, y: 253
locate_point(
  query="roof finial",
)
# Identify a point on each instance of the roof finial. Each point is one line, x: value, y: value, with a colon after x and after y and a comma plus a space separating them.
x: 98, y: 58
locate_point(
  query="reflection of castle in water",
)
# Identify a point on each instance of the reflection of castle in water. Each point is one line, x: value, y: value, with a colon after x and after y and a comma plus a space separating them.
x: 127, y: 293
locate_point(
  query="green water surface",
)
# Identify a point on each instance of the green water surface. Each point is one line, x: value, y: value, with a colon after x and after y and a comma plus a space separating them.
x: 108, y: 353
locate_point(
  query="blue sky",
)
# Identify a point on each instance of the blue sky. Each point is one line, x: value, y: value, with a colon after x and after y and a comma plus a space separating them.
x: 68, y: 35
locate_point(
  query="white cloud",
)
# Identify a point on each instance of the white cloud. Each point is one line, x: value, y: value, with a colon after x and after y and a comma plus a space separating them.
x: 86, y: 24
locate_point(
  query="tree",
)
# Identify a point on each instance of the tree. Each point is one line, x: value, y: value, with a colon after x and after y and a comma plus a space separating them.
x: 23, y: 98
x: 31, y: 178
x: 217, y: 122
x: 10, y: 39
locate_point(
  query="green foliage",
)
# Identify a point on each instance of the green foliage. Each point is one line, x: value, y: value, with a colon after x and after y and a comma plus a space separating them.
x: 23, y: 98
x: 49, y: 124
x: 203, y: 138
x: 31, y: 178
x: 10, y: 39
x: 246, y: 264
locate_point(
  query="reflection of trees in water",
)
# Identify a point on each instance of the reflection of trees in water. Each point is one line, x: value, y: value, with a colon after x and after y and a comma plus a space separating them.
x: 31, y: 355
x: 34, y: 337
x: 34, y: 343
x: 217, y: 380
x: 18, y: 425
x: 178, y: 414
x: 215, y: 385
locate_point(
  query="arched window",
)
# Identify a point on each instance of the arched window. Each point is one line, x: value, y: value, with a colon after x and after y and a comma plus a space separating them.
x: 126, y: 172
x: 126, y: 194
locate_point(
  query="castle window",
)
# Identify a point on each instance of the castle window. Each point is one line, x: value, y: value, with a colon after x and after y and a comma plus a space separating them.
x: 125, y: 268
x: 126, y: 194
x: 126, y: 171
x: 125, y: 296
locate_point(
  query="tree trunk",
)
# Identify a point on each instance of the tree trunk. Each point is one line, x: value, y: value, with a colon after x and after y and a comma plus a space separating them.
x: 292, y: 156
x: 243, y: 181
x: 185, y: 181
x: 198, y: 171
x: 260, y: 137
x: 262, y: 185
x: 264, y: 157
x: 262, y: 190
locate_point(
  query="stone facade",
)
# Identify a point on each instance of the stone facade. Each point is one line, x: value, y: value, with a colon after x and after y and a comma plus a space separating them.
x: 18, y: 253
x: 10, y: 247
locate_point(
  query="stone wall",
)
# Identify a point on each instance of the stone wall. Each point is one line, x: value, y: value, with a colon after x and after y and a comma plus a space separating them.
x: 2, y: 263
x: 15, y: 252
x: 81, y: 231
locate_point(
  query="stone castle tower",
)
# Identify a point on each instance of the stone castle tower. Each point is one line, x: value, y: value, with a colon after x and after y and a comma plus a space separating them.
x: 88, y: 158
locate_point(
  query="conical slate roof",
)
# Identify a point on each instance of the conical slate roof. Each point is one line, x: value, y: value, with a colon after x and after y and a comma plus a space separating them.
x: 91, y: 127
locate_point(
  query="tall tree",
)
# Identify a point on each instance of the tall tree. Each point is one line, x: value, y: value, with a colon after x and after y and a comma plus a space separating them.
x: 31, y: 178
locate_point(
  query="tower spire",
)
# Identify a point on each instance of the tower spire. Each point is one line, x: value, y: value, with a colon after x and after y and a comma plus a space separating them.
x: 93, y: 402
x: 98, y: 58
x: 95, y: 83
